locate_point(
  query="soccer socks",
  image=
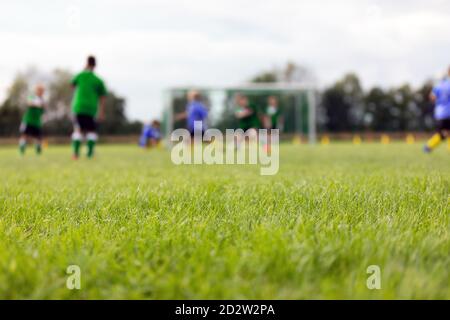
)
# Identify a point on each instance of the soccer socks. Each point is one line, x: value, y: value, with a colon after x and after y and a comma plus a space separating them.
x: 91, y: 140
x: 22, y: 146
x: 38, y: 147
x: 91, y: 147
x: 76, y: 144
x: 434, y: 141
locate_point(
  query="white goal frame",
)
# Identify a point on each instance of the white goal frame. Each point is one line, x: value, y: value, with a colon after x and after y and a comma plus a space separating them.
x: 297, y: 90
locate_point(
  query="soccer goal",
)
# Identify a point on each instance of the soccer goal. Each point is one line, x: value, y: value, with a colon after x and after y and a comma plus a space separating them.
x: 296, y: 101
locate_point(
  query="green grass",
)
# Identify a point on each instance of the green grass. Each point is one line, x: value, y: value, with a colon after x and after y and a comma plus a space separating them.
x: 140, y: 227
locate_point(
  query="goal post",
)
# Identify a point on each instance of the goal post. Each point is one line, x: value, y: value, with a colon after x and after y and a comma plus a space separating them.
x: 297, y: 102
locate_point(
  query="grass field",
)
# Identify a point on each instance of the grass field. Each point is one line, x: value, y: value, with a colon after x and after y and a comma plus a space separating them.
x: 140, y: 227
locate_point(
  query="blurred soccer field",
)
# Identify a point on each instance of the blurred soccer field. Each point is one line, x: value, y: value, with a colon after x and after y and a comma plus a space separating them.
x: 140, y: 227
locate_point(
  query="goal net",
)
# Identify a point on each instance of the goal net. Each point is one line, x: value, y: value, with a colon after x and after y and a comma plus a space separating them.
x: 296, y: 102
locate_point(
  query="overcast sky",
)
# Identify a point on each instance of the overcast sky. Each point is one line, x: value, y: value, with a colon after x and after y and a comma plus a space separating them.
x: 145, y: 46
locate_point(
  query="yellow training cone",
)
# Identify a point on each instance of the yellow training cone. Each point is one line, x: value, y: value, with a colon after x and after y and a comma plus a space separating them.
x: 385, y: 139
x: 357, y: 139
x: 297, y: 140
x: 325, y: 140
x: 410, y: 139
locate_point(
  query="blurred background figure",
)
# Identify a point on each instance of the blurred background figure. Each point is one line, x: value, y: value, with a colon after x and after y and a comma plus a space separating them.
x: 272, y: 119
x: 273, y: 116
x: 195, y: 111
x: 440, y: 96
x: 246, y: 113
x: 248, y: 118
x: 90, y: 92
x: 151, y: 134
x: 31, y: 126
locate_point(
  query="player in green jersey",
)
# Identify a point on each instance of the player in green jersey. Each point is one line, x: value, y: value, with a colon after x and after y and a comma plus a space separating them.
x: 248, y: 117
x: 31, y: 126
x: 272, y: 119
x: 246, y: 113
x: 89, y: 97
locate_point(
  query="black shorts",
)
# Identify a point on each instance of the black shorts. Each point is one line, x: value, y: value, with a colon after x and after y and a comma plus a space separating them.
x: 85, y: 123
x: 246, y: 128
x: 192, y: 132
x: 443, y: 124
x: 31, y: 131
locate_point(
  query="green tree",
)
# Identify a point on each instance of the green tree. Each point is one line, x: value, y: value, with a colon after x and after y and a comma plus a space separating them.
x: 115, y: 119
x: 58, y: 112
x: 425, y: 106
x: 377, y: 105
x: 290, y: 73
x: 265, y: 77
x: 13, y: 106
x: 343, y: 104
x: 403, y: 109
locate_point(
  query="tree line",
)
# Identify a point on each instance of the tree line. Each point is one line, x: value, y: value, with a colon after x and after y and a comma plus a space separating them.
x: 343, y: 107
x: 58, y: 109
x: 346, y: 107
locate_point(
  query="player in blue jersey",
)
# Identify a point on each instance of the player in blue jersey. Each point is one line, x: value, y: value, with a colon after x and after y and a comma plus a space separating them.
x: 151, y: 135
x: 196, y: 111
x: 440, y: 96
